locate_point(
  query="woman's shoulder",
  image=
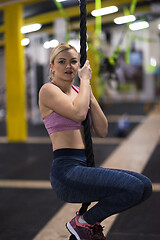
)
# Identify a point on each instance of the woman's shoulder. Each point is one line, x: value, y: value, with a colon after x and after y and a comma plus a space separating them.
x: 47, y: 88
x: 46, y: 85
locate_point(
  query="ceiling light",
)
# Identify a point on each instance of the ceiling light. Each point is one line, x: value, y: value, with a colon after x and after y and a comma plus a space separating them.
x: 46, y: 45
x: 159, y: 26
x: 25, y: 41
x: 124, y: 19
x: 139, y: 25
x: 61, y: 0
x: 50, y: 44
x: 31, y: 28
x: 53, y: 43
x: 75, y: 43
x: 104, y: 11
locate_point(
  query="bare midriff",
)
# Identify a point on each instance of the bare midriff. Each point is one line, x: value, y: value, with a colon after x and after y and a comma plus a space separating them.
x: 68, y: 139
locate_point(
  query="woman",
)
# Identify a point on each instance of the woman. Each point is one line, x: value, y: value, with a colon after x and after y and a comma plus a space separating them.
x: 63, y: 108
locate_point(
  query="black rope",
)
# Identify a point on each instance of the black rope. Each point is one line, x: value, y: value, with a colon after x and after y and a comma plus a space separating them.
x: 83, y: 32
x: 88, y: 142
x: 83, y: 57
x: 86, y: 123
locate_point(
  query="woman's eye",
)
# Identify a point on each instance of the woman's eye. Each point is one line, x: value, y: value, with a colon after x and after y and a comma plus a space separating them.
x: 74, y: 61
x: 61, y: 62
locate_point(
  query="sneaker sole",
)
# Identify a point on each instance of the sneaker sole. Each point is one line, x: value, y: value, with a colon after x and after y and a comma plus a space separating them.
x: 72, y: 231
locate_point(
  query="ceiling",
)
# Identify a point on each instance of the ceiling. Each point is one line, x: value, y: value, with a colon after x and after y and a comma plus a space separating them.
x: 45, y: 11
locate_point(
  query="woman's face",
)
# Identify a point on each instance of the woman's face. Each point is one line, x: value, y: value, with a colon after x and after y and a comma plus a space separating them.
x: 65, y: 65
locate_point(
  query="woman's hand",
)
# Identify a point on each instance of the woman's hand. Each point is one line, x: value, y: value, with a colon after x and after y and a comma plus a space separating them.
x: 85, y: 72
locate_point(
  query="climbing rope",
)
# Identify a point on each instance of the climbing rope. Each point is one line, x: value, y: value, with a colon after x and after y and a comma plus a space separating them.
x: 83, y: 57
x: 86, y: 123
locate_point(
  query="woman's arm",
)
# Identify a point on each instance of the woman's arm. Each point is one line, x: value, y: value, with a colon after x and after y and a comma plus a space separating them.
x: 99, y: 121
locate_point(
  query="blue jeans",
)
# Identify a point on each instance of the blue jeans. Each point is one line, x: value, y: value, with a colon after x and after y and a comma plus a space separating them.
x: 114, y: 190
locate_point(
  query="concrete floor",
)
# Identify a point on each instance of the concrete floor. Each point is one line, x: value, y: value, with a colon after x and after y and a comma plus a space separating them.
x: 30, y: 210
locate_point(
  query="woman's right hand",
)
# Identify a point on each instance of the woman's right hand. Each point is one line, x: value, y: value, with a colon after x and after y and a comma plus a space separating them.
x: 85, y: 72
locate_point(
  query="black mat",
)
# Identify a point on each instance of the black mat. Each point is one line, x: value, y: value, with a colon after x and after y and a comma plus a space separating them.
x: 37, y: 130
x: 33, y: 161
x: 112, y: 130
x: 25, y: 161
x: 102, y: 151
x: 3, y: 128
x: 141, y: 222
x: 152, y: 170
x: 23, y: 212
x: 129, y: 108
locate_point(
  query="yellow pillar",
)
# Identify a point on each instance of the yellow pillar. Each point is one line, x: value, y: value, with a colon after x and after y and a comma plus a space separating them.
x: 98, y: 22
x: 15, y: 74
x: 94, y: 61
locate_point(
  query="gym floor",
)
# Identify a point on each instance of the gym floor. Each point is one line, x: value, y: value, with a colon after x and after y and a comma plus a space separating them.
x: 30, y: 210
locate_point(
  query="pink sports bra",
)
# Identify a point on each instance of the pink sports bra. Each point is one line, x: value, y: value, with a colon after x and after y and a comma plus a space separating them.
x: 56, y: 123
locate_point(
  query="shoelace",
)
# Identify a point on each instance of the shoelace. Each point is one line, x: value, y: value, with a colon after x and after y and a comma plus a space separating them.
x: 90, y: 232
x: 98, y: 232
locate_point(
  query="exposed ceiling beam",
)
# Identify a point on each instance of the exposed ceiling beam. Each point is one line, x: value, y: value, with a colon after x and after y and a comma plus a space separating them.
x: 108, y: 18
x: 91, y: 6
x: 74, y: 26
x: 10, y: 2
x: 72, y: 12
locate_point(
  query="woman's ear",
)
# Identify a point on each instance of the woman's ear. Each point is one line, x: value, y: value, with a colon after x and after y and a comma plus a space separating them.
x: 51, y: 67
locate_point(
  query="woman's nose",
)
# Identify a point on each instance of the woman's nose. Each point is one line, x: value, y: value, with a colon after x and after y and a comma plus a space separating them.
x: 68, y: 65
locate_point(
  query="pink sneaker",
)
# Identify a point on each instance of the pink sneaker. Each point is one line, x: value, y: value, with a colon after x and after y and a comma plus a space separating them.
x: 82, y: 231
x: 98, y: 232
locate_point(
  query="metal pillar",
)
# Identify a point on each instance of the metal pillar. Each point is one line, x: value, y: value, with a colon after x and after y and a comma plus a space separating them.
x: 15, y: 74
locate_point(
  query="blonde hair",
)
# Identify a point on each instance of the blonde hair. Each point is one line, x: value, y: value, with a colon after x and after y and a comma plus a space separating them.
x: 61, y: 47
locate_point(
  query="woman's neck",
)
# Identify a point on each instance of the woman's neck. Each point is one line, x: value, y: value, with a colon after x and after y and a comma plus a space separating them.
x: 65, y: 86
